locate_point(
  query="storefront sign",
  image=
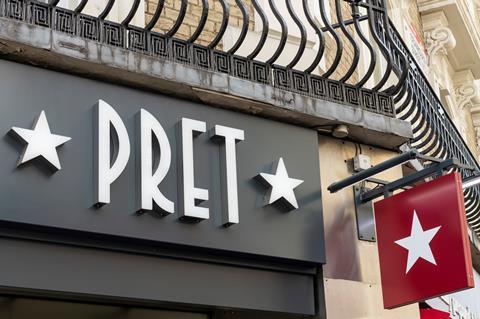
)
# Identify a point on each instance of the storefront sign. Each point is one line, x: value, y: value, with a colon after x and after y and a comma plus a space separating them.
x: 105, y: 159
x: 457, y: 310
x: 423, y: 242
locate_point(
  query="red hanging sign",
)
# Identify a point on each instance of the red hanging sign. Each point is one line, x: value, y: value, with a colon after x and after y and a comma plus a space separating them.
x: 423, y: 242
x: 433, y: 314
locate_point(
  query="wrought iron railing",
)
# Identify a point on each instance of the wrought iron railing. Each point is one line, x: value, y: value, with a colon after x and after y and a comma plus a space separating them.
x: 388, y: 81
x: 329, y: 85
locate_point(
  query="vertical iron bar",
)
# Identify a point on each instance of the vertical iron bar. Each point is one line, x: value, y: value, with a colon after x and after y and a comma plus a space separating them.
x: 107, y: 10
x: 356, y: 51
x: 303, y: 35
x: 338, y: 42
x: 320, y: 35
x: 283, y: 37
x: 264, y: 34
x: 223, y: 26
x: 131, y: 13
x: 179, y: 21
x: 156, y: 15
x: 245, y: 24
x: 201, y: 23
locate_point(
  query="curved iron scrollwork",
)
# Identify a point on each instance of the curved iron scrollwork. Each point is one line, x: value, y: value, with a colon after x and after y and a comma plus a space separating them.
x: 323, y: 81
x: 264, y: 33
x: 320, y: 35
x: 201, y: 23
x: 303, y: 35
x: 284, y: 32
x: 223, y: 26
x: 323, y: 77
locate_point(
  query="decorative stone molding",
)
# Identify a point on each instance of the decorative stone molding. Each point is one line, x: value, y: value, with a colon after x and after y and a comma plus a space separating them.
x: 466, y: 98
x: 461, y: 18
x: 469, y: 94
x: 466, y: 95
x: 439, y: 38
x: 439, y: 41
x: 466, y: 91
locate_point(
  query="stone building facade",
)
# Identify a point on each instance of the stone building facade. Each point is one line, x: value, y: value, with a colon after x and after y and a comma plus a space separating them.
x: 449, y: 37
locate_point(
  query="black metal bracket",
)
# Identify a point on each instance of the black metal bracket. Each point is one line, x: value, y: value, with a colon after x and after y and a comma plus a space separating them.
x: 364, y: 196
x: 434, y: 170
x: 363, y: 175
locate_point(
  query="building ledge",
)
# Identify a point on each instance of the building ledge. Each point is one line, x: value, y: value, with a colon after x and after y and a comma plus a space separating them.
x: 52, y: 49
x: 466, y: 54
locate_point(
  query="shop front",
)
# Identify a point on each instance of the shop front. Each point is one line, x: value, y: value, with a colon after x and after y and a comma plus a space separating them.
x: 121, y: 203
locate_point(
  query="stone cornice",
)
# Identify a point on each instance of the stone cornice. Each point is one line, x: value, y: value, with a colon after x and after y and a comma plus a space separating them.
x: 463, y: 25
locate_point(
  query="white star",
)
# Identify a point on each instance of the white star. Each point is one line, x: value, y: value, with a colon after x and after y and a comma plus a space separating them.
x: 40, y: 142
x: 418, y: 244
x: 282, y: 186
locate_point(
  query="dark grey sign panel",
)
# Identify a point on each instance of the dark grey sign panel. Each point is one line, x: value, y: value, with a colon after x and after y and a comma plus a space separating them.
x: 63, y: 196
x: 46, y: 270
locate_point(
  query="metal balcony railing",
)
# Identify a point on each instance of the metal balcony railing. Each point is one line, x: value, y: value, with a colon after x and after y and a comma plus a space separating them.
x: 330, y: 85
x: 388, y: 81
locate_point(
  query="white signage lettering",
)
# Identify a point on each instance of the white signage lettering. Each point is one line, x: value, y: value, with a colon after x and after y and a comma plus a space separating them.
x: 112, y: 153
x: 457, y: 310
x: 105, y: 173
x: 148, y: 192
x: 190, y: 196
x: 228, y: 164
x: 109, y: 125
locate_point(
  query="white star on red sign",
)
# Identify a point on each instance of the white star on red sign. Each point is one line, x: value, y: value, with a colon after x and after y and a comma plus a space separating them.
x: 418, y: 243
x: 40, y: 142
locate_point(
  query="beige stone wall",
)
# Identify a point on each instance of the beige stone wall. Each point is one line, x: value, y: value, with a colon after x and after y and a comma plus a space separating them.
x: 352, y: 274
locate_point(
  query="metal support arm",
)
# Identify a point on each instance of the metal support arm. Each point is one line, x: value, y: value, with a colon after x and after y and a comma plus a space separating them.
x: 356, y: 178
x: 434, y: 169
x: 364, y: 196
